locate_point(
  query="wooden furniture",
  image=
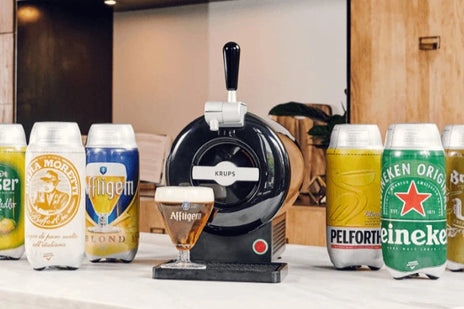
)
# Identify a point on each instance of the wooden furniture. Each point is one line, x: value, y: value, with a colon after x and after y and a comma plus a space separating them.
x: 7, y: 54
x: 153, y: 150
x: 394, y: 78
x: 150, y: 217
x: 306, y: 225
x: 314, y: 158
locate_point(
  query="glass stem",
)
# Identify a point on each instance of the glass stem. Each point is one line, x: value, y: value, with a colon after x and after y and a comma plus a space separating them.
x: 183, y: 256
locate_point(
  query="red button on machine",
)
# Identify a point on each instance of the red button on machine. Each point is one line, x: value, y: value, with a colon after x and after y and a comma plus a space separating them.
x: 260, y: 246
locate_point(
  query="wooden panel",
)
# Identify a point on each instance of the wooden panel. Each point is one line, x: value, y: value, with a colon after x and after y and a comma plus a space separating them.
x: 6, y: 113
x: 6, y: 68
x: 306, y: 225
x: 64, y: 63
x: 392, y: 80
x: 447, y: 68
x: 7, y: 16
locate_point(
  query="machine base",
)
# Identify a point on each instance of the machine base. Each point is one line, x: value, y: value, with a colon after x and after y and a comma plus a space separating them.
x: 266, y: 273
x: 263, y: 245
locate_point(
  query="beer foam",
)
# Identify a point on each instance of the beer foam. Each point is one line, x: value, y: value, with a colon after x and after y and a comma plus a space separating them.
x: 183, y: 194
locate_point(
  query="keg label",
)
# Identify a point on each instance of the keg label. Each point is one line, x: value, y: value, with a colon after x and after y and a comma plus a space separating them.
x: 454, y: 211
x: 353, y: 199
x: 53, y: 191
x: 112, y: 201
x: 413, y: 189
x: 225, y: 173
x: 11, y: 197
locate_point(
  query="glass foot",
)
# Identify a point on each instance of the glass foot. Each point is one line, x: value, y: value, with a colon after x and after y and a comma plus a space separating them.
x: 183, y: 265
x: 104, y: 229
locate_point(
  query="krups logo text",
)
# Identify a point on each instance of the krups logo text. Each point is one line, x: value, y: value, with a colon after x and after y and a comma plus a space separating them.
x: 429, y: 237
x: 456, y: 178
x: 224, y: 173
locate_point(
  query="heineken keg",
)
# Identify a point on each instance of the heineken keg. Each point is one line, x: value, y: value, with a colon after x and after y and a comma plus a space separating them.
x: 353, y: 196
x: 453, y: 142
x: 413, y: 187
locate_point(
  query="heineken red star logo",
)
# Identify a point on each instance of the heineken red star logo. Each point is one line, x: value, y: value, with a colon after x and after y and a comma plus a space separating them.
x: 412, y: 200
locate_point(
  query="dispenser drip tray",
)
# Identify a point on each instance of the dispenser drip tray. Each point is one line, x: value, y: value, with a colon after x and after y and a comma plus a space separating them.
x: 255, y: 272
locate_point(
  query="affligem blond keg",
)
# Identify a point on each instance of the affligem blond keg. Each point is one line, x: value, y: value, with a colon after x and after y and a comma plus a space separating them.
x: 112, y: 199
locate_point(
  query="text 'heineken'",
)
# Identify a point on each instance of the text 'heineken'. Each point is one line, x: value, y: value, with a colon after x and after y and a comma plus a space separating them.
x: 413, y: 187
x: 353, y: 196
x: 453, y: 142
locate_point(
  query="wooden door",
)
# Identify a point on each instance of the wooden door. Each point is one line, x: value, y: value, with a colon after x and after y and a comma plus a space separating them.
x: 392, y: 80
x: 7, y: 12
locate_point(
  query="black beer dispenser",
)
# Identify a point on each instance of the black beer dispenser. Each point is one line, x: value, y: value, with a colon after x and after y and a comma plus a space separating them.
x: 243, y: 159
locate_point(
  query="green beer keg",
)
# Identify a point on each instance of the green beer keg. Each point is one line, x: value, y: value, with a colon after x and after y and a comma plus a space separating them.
x: 413, y: 186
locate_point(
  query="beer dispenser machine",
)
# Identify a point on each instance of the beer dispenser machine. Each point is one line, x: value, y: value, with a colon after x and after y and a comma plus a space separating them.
x: 244, y: 159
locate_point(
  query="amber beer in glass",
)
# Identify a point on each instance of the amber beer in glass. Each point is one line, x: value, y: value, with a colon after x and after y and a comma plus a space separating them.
x: 185, y: 211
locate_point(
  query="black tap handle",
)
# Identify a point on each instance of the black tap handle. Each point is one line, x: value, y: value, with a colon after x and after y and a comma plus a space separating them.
x: 231, y: 52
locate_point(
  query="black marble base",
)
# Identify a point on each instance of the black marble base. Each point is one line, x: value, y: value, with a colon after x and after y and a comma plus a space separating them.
x: 267, y: 273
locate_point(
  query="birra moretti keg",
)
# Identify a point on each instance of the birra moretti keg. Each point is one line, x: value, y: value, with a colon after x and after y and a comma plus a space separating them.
x: 12, y: 156
x: 413, y: 201
x: 453, y: 142
x: 353, y: 196
x: 55, y: 204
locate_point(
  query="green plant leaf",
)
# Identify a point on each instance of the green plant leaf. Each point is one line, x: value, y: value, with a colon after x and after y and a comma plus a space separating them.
x: 299, y: 109
x: 319, y: 131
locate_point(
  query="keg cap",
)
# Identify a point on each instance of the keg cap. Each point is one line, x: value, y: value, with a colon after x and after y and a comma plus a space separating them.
x: 12, y: 134
x: 356, y: 136
x: 453, y: 137
x: 111, y: 135
x: 56, y: 134
x: 414, y: 136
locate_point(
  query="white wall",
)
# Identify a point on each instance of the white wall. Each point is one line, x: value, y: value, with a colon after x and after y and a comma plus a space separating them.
x: 167, y: 62
x: 291, y: 50
x: 160, y: 68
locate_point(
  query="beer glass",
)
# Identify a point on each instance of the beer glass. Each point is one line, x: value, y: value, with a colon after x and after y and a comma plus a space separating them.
x: 185, y: 211
x: 105, y: 185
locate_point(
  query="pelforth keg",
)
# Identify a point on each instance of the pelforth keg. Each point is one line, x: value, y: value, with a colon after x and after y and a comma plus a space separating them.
x: 413, y: 201
x: 353, y: 196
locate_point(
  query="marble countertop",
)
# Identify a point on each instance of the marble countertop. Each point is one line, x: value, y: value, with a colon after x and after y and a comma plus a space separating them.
x: 311, y: 283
